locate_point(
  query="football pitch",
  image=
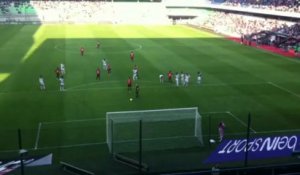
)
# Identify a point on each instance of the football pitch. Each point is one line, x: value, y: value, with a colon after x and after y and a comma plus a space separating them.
x: 237, y: 80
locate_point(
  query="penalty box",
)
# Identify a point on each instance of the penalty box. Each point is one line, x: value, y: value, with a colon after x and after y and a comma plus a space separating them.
x: 70, y: 133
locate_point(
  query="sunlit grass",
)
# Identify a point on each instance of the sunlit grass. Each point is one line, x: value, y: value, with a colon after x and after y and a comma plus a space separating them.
x: 4, y: 76
x: 73, y: 31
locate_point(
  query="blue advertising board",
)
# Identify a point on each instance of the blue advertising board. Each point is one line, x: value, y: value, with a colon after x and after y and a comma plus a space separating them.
x: 258, y: 148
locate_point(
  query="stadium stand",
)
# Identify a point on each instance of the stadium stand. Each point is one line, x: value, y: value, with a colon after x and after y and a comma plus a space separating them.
x: 99, y: 12
x: 236, y: 24
x: 83, y: 12
x: 260, y: 30
x: 278, y: 5
x: 16, y: 8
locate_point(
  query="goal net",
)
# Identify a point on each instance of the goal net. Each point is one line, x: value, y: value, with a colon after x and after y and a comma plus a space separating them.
x: 161, y: 129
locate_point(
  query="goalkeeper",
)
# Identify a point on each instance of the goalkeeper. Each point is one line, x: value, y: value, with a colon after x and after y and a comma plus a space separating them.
x: 221, y: 129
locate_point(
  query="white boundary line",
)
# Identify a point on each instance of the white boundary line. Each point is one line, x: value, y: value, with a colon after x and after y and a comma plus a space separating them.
x: 156, y: 84
x: 72, y: 146
x: 284, y: 89
x: 78, y: 87
x: 71, y: 89
x: 38, y: 136
x: 70, y: 121
x: 93, y: 83
x: 217, y: 112
x: 243, y: 123
x: 103, y: 143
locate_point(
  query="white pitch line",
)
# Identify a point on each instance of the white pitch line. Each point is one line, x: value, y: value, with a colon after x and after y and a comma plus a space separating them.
x: 156, y: 85
x: 71, y: 121
x: 72, y: 146
x: 103, y: 143
x: 214, y: 112
x: 38, y: 136
x: 72, y: 89
x: 284, y: 89
x: 93, y: 83
x: 243, y: 123
x: 100, y: 83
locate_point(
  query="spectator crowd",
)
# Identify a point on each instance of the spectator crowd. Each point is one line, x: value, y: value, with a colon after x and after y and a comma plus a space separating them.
x: 84, y: 11
x: 237, y: 24
x: 281, y: 33
x: 278, y: 5
x: 15, y: 7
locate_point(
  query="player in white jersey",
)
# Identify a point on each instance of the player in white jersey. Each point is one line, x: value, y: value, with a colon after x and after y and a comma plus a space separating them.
x: 134, y: 73
x: 182, y: 78
x: 199, y: 78
x: 161, y: 78
x: 187, y: 79
x: 177, y: 79
x: 61, y: 84
x: 62, y: 69
x: 104, y: 64
x: 42, y: 83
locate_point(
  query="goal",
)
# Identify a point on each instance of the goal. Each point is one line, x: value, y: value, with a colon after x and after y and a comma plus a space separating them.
x: 161, y: 129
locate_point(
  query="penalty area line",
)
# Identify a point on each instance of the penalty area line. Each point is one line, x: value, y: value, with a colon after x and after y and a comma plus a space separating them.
x: 38, y: 136
x: 72, y: 146
x: 214, y: 112
x: 239, y: 120
x: 73, y: 121
x: 284, y: 89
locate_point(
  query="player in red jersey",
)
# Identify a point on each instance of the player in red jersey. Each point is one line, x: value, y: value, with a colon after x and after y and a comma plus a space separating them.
x: 129, y: 84
x: 57, y: 72
x: 82, y: 51
x: 98, y: 73
x: 170, y: 76
x: 132, y: 55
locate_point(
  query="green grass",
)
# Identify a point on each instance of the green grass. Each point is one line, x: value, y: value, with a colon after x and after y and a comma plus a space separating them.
x: 237, y: 80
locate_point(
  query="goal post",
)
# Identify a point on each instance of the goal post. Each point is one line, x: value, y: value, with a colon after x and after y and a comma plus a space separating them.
x: 162, y: 129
